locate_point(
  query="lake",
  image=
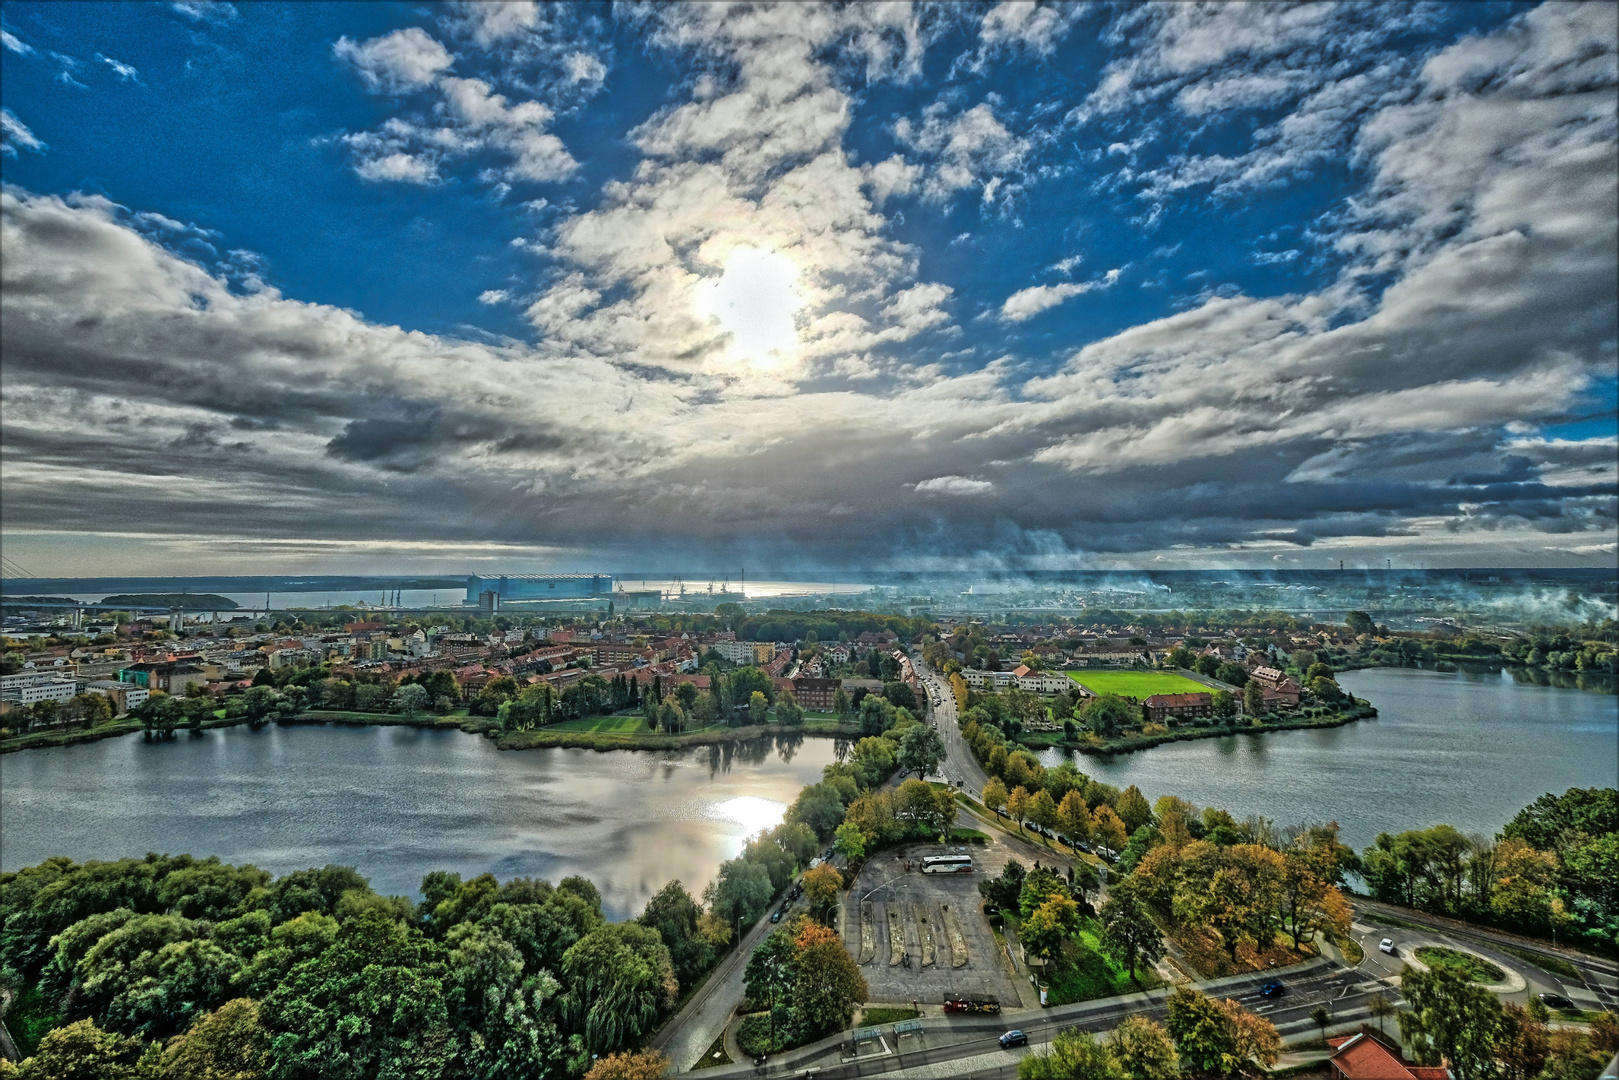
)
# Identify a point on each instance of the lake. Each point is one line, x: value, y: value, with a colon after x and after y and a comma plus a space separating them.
x: 397, y: 802
x: 1466, y: 749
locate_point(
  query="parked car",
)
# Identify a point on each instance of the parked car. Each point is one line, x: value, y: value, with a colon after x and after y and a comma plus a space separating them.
x: 775, y: 916
x: 1014, y: 1038
x: 1272, y: 989
x: 1556, y: 1001
x: 1387, y: 945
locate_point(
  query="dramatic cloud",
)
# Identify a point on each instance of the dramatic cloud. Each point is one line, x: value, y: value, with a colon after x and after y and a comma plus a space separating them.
x: 756, y: 325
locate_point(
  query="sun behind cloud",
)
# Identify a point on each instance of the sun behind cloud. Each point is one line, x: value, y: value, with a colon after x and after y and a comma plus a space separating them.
x: 755, y: 300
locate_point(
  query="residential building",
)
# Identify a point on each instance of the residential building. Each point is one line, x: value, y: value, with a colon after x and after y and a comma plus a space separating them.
x: 815, y: 693
x: 30, y: 688
x: 988, y: 680
x: 763, y: 651
x: 736, y: 652
x: 125, y: 696
x: 1170, y: 709
x: 1040, y: 682
x: 1277, y: 686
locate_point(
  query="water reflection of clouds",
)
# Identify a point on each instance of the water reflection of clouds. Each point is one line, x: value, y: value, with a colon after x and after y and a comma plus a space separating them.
x: 751, y: 812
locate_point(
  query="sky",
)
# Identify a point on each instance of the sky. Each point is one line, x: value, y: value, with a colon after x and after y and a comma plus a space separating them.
x: 502, y: 286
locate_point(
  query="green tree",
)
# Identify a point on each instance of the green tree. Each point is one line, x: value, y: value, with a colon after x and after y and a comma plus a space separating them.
x: 920, y: 750
x: 228, y: 1044
x: 1225, y: 706
x: 840, y: 704
x: 850, y: 842
x: 1049, y: 926
x: 410, y: 699
x: 619, y: 978
x: 757, y: 707
x: 1218, y: 1037
x: 82, y: 1051
x: 1358, y: 622
x: 1073, y: 1055
x: 822, y: 886
x: 1017, y: 805
x: 740, y: 892
x: 370, y: 1004
x: 1128, y: 932
x: 1133, y: 809
x: 674, y: 914
x: 1253, y: 699
x: 1450, y: 1019
x: 1042, y: 811
x: 1105, y: 714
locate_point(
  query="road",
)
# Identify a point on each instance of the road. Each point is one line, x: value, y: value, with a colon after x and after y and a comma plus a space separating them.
x: 701, y: 1020
x: 1596, y: 986
x: 967, y: 1045
x: 959, y: 763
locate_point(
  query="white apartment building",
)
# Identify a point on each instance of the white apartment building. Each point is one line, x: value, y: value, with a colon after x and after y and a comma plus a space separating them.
x: 31, y: 687
x: 737, y: 652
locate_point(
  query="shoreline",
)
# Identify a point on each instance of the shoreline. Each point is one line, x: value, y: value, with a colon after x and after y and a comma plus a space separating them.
x: 1364, y: 710
x: 537, y: 739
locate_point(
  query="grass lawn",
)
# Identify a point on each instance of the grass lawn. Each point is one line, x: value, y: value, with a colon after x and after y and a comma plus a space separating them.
x: 1475, y: 968
x: 1087, y: 972
x: 1136, y: 684
x: 605, y: 725
x: 714, y: 1055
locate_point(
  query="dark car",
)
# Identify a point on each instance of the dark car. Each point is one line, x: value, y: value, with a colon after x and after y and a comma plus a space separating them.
x: 1272, y: 989
x: 1556, y: 1001
x: 1014, y: 1038
x: 775, y: 916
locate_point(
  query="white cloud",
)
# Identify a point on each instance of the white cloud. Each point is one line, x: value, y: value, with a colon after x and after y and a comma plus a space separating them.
x: 15, y: 133
x: 954, y: 485
x: 404, y: 60
x: 1023, y: 22
x: 205, y: 10
x: 15, y: 44
x: 581, y: 67
x: 493, y: 296
x: 1027, y: 303
x: 124, y: 71
x: 966, y: 149
x: 397, y: 166
x: 493, y: 21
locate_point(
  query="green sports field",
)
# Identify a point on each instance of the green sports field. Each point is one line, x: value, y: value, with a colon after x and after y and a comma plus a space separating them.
x: 604, y: 725
x: 1136, y: 684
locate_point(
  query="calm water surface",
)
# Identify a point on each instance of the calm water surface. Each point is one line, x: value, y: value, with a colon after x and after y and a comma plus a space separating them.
x: 1469, y: 750
x: 398, y: 802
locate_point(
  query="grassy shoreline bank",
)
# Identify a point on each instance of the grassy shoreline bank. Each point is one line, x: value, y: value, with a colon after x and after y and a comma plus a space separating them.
x: 1132, y: 743
x: 537, y: 739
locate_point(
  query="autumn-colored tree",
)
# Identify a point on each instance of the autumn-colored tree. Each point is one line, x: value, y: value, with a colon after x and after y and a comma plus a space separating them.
x: 1521, y: 890
x: 1524, y: 1044
x: 1108, y: 830
x: 1219, y: 1037
x: 1042, y: 811
x: 1133, y: 809
x: 1308, y: 903
x: 631, y: 1065
x: 1143, y: 1050
x: 828, y: 986
x: 1048, y: 926
x: 1017, y: 804
x: 994, y: 793
x: 1074, y: 818
x: 822, y: 885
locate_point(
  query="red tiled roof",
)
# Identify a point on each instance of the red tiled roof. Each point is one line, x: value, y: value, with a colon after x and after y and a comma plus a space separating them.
x: 1361, y: 1057
x: 1176, y: 701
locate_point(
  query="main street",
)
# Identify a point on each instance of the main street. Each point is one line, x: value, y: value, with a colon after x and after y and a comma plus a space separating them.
x: 960, y: 767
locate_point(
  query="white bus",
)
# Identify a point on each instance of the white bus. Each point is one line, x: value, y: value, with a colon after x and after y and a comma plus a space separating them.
x: 947, y: 864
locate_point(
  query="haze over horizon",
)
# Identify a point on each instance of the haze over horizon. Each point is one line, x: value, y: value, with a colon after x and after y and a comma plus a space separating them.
x: 507, y: 288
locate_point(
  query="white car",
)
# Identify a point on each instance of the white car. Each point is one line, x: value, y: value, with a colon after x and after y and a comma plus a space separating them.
x: 1387, y: 945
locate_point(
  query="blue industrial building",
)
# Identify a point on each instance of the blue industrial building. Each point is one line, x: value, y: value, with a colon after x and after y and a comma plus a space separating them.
x: 531, y: 587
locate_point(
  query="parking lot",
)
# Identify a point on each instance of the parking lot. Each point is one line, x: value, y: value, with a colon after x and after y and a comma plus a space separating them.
x: 922, y: 937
